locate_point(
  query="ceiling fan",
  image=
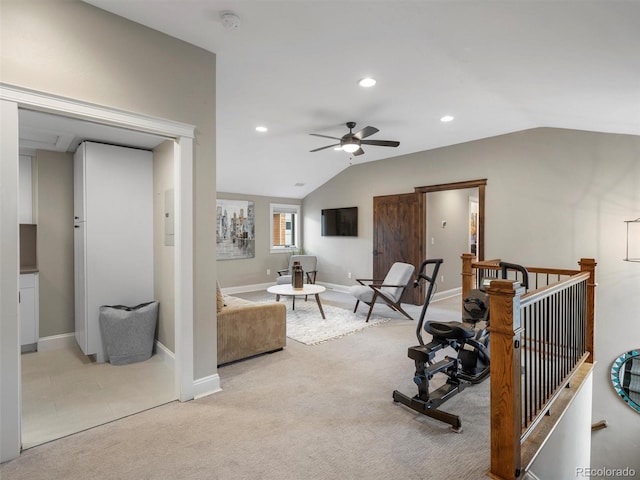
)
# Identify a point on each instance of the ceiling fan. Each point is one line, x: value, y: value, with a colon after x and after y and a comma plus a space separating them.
x: 352, y: 142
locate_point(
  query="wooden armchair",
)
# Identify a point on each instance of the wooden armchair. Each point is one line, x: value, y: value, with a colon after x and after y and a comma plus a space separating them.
x: 387, y: 291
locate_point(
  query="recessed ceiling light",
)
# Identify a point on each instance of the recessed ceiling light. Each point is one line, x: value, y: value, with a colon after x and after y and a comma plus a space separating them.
x: 367, y: 82
x: 446, y: 118
x: 261, y: 129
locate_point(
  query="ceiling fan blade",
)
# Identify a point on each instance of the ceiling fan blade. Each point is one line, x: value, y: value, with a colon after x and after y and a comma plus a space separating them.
x: 322, y: 148
x: 324, y: 136
x: 358, y: 152
x: 365, y: 132
x: 381, y: 143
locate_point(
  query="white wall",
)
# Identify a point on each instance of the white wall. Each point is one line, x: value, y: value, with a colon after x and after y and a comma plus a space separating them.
x: 567, y: 449
x: 552, y: 196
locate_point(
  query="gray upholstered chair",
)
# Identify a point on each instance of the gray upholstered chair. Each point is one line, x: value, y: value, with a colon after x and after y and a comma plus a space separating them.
x: 309, y: 264
x: 389, y: 290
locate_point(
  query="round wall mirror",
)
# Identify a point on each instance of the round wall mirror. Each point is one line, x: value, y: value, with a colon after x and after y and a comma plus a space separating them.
x: 625, y: 376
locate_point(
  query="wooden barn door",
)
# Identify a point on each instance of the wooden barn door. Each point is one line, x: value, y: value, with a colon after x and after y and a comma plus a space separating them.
x: 398, y: 236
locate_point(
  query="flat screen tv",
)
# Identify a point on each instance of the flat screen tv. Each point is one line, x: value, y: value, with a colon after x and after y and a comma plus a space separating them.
x: 341, y: 222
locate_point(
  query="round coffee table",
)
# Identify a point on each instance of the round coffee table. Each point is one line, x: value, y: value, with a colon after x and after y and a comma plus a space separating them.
x: 289, y: 291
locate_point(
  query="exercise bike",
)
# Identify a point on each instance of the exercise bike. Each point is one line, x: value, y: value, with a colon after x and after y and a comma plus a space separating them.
x: 469, y: 366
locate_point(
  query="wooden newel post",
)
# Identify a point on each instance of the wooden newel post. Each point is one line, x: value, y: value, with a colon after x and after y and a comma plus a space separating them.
x: 589, y: 265
x: 506, y: 333
x: 467, y: 274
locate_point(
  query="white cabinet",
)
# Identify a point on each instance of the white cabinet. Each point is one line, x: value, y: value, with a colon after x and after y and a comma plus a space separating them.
x: 113, y: 235
x: 29, y: 310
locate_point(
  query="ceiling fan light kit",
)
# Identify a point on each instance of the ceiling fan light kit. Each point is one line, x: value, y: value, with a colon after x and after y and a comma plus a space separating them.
x: 367, y: 82
x: 352, y: 142
x: 350, y: 147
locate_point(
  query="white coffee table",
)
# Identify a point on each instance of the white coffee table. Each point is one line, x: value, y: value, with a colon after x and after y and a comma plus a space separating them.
x: 289, y: 291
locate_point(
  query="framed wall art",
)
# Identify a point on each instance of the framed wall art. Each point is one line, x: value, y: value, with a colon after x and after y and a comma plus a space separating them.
x: 235, y: 229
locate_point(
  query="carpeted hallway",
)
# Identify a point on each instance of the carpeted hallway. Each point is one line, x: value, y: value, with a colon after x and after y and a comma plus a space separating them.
x: 308, y: 412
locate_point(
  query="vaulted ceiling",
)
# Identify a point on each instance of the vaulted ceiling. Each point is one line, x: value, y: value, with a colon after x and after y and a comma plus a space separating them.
x: 495, y: 66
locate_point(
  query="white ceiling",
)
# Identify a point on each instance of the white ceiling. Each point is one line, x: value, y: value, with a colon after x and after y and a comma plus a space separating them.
x: 43, y: 131
x: 496, y: 66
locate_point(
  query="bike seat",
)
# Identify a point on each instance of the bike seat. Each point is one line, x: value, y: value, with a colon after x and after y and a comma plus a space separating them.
x: 449, y: 330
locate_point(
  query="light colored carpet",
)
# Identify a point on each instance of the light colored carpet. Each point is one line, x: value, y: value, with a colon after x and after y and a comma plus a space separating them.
x: 306, y: 325
x: 322, y: 412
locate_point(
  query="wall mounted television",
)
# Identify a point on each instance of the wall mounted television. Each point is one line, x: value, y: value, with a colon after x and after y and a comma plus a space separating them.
x: 341, y: 222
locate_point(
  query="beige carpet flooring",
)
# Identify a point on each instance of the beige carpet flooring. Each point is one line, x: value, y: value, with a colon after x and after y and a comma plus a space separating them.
x: 307, y: 412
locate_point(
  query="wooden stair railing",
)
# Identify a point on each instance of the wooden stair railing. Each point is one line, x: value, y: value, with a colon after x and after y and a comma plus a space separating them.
x: 514, y: 445
x: 506, y: 333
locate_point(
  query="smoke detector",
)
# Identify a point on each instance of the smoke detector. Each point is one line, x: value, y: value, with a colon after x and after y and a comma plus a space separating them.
x: 230, y: 20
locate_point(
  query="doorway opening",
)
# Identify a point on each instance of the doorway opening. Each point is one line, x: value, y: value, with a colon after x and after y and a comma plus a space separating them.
x: 454, y: 218
x: 11, y: 100
x: 64, y: 390
x: 451, y: 229
x: 400, y: 230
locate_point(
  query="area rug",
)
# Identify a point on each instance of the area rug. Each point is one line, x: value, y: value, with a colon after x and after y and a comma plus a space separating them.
x: 306, y: 325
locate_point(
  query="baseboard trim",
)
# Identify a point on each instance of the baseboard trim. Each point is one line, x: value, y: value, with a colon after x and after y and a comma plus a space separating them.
x: 247, y: 288
x: 329, y: 286
x: 205, y: 386
x: 56, y: 342
x: 256, y: 287
x: 168, y: 357
x: 335, y: 286
x: 447, y: 294
x: 438, y: 296
x: 530, y: 476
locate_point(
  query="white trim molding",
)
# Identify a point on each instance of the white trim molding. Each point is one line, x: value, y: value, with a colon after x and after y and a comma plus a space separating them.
x: 294, y: 209
x: 256, y: 287
x: 447, y: 294
x: 183, y: 277
x: 56, y: 342
x: 68, y: 340
x: 10, y: 390
x: 168, y: 358
x: 46, y: 102
x: 11, y: 99
x: 205, y: 386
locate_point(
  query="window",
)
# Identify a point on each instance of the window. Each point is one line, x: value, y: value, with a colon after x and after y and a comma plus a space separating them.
x: 285, y: 233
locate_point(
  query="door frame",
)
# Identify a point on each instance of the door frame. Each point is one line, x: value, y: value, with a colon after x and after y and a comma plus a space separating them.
x: 11, y: 99
x: 481, y: 185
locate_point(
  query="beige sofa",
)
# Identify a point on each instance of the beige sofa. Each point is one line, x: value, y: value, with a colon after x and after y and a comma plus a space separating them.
x: 248, y: 328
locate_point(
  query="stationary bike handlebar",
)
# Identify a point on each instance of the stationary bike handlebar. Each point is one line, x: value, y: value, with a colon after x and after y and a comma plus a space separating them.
x: 513, y: 266
x: 422, y: 276
x: 431, y: 279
